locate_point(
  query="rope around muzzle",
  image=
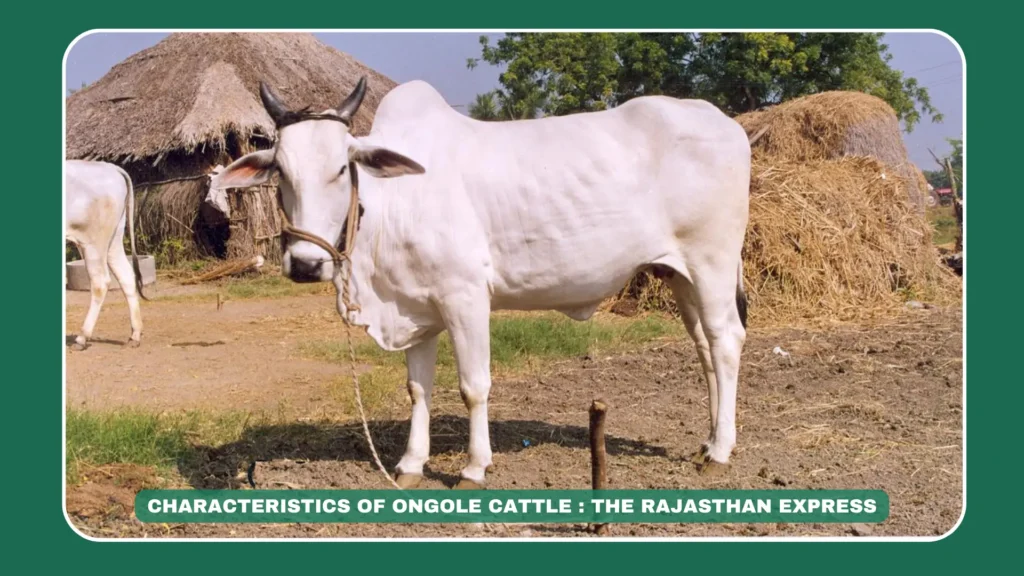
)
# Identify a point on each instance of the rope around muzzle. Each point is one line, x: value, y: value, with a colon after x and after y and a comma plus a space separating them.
x: 352, y: 224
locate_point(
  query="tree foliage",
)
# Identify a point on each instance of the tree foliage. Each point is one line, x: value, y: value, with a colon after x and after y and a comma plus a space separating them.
x: 563, y: 73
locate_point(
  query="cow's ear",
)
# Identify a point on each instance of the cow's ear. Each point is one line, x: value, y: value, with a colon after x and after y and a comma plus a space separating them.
x: 250, y: 170
x: 383, y: 163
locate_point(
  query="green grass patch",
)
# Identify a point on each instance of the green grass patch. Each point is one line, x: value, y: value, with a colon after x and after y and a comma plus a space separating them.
x: 146, y: 439
x: 267, y: 285
x: 272, y: 286
x: 943, y: 222
x: 518, y: 342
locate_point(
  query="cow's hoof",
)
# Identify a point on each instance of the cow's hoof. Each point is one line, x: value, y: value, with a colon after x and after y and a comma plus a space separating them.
x: 710, y: 468
x: 408, y: 481
x: 77, y: 347
x: 133, y: 344
x: 467, y: 484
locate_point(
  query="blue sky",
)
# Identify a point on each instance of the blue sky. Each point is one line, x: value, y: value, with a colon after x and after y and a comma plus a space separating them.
x: 440, y: 59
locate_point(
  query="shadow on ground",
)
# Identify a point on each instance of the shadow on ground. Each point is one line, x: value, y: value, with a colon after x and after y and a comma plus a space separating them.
x: 222, y: 467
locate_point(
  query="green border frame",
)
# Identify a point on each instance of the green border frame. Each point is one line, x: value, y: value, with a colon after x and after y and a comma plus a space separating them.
x: 35, y: 383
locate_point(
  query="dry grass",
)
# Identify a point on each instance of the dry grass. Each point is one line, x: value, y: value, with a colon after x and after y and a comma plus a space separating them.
x: 834, y: 124
x: 168, y: 220
x: 837, y: 238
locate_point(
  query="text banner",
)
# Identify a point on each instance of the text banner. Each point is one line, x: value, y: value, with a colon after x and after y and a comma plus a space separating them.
x: 511, y: 506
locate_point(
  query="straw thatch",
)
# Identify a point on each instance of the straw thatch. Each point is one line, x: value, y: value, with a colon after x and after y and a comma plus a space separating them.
x: 832, y: 125
x: 191, y: 102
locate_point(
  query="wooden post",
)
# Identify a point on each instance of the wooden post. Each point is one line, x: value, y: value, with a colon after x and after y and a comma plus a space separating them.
x: 958, y: 208
x: 598, y: 456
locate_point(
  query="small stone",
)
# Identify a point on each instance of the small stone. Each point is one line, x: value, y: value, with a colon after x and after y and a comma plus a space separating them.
x: 764, y: 472
x: 915, y: 305
x: 861, y: 529
x: 778, y: 481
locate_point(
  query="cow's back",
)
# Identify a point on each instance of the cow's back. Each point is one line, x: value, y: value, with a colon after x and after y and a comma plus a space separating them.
x: 561, y: 210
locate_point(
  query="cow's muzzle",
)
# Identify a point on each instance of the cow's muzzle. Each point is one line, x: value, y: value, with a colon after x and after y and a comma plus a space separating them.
x: 303, y: 271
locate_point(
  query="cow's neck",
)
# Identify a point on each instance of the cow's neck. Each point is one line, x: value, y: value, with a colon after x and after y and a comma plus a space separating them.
x: 360, y: 267
x: 387, y: 317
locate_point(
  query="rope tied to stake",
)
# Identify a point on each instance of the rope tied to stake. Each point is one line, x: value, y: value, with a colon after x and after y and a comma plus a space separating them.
x: 339, y: 258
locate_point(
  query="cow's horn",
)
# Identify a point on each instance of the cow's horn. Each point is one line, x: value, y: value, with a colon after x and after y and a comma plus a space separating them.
x: 271, y: 103
x: 348, y: 108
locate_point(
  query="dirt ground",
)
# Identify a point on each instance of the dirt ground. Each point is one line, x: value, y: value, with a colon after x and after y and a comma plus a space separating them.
x: 874, y: 407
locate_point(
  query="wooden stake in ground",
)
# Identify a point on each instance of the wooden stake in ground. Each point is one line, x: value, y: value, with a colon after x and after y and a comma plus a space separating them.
x: 598, y: 456
x: 958, y: 208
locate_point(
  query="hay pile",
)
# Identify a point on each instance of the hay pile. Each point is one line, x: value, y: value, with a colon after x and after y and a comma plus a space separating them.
x: 833, y: 125
x: 837, y: 239
x: 837, y: 229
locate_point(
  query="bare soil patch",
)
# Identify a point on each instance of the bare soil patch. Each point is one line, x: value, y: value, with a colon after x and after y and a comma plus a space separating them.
x: 875, y: 407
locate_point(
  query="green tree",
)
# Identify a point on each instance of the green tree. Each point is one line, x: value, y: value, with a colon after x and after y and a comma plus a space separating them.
x: 494, y: 105
x: 937, y: 178
x: 578, y: 72
x: 484, y: 107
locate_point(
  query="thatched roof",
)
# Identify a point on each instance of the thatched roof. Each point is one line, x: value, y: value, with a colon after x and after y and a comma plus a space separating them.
x: 194, y: 89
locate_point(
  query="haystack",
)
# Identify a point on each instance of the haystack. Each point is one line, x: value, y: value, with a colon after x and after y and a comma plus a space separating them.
x: 171, y: 113
x: 837, y: 239
x: 832, y: 125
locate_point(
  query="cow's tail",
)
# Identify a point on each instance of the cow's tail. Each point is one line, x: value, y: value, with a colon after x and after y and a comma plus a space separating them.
x: 130, y: 203
x: 741, y: 295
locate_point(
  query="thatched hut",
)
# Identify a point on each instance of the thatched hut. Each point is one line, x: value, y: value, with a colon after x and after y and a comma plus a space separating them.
x: 173, y: 112
x: 833, y: 125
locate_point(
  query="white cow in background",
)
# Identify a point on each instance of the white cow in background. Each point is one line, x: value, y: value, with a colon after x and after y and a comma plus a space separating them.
x: 99, y: 199
x: 555, y: 213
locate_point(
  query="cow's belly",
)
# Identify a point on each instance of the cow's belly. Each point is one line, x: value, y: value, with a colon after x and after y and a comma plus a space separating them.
x: 551, y: 276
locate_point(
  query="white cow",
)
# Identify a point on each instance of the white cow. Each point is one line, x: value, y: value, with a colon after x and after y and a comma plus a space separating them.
x: 554, y: 213
x: 99, y: 198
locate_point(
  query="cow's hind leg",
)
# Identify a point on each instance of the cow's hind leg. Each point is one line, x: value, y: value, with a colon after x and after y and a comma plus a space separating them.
x: 125, y: 275
x: 96, y: 266
x: 467, y: 317
x: 420, y: 361
x: 718, y: 309
x: 686, y: 301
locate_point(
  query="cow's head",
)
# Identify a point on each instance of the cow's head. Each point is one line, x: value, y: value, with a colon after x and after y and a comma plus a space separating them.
x: 312, y: 157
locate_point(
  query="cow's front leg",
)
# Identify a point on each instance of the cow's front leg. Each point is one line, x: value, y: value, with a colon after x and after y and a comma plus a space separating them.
x: 420, y: 361
x: 468, y: 320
